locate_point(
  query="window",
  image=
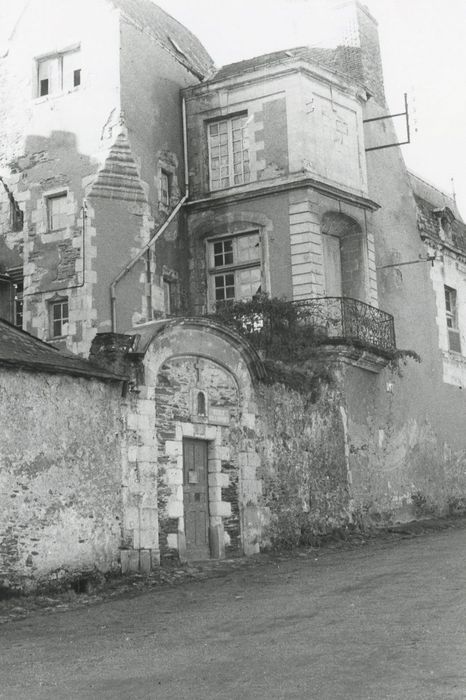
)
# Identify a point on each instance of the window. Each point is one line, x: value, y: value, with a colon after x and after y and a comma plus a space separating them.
x: 16, y: 215
x: 201, y: 404
x: 169, y: 296
x: 58, y: 318
x: 228, y: 153
x: 57, y: 211
x: 165, y: 188
x: 17, y: 278
x: 58, y: 73
x: 235, y: 267
x: 451, y: 313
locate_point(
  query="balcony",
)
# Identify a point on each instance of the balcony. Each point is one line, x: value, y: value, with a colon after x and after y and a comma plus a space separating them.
x: 345, y: 320
x: 294, y: 331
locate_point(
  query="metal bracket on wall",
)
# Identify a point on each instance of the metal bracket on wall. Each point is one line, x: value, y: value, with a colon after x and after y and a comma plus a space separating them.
x: 392, y: 116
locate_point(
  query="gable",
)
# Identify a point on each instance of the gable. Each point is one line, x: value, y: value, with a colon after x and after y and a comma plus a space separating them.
x: 168, y: 32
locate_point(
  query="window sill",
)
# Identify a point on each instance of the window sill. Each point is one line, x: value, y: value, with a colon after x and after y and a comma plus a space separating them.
x: 454, y: 356
x: 55, y: 96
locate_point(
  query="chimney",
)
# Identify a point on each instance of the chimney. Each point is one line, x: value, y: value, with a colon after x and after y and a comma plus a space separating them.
x: 358, y: 55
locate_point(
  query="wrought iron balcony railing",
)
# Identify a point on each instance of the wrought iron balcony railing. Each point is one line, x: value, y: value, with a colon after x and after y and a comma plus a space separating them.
x: 292, y: 329
x: 342, y: 319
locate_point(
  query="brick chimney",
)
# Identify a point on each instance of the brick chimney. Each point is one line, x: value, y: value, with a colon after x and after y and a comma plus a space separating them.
x: 358, y: 54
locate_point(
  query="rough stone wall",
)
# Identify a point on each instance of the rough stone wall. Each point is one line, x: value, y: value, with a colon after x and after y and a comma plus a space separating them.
x: 56, y: 263
x: 178, y: 385
x: 402, y: 464
x: 11, y: 242
x: 60, y: 475
x: 303, y: 466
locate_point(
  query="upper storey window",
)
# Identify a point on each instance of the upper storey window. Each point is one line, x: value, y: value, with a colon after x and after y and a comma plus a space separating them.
x: 57, y: 211
x: 58, y: 73
x: 234, y: 268
x: 451, y: 313
x: 228, y: 153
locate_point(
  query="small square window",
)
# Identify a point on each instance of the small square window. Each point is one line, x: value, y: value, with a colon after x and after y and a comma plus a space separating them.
x: 59, y: 318
x: 57, y: 73
x: 57, y: 212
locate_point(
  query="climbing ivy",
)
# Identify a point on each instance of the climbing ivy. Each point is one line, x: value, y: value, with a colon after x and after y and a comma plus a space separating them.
x: 276, y: 327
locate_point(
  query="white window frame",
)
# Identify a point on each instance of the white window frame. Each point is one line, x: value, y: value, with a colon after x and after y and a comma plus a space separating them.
x: 60, y: 87
x: 17, y: 276
x: 451, y: 319
x: 245, y: 174
x: 49, y: 198
x: 235, y: 267
x: 63, y: 319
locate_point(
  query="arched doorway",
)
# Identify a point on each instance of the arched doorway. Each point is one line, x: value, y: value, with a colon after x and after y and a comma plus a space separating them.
x: 199, y: 457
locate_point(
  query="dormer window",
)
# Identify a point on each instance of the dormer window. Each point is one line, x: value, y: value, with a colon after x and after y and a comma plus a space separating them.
x: 445, y: 219
x: 58, y: 73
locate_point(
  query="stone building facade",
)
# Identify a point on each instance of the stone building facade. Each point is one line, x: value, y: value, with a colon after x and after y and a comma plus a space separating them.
x: 196, y: 191
x: 92, y: 161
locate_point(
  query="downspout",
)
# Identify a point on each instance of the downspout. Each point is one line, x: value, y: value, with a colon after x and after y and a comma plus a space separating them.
x: 158, y: 233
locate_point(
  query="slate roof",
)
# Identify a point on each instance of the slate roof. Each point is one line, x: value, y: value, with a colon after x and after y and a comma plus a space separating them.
x: 21, y: 350
x: 169, y: 33
x: 432, y: 194
x: 345, y: 60
x: 428, y: 199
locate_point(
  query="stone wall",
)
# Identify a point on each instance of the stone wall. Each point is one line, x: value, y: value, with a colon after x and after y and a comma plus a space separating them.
x: 60, y: 476
x: 303, y: 466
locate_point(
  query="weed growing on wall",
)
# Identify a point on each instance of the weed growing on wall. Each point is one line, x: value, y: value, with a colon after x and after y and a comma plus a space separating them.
x: 276, y: 327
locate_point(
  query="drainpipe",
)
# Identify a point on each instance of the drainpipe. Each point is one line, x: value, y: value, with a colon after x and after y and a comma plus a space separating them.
x: 158, y: 233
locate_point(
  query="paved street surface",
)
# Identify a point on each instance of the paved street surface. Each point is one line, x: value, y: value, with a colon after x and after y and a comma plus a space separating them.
x: 387, y: 620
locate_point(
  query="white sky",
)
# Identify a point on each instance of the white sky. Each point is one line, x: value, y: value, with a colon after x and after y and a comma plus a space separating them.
x: 423, y: 53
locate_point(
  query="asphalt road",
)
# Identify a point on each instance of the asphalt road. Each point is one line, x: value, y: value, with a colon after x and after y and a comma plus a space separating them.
x: 386, y: 621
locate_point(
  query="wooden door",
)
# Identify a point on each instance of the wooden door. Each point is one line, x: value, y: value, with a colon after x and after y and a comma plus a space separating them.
x: 332, y: 265
x: 196, y: 498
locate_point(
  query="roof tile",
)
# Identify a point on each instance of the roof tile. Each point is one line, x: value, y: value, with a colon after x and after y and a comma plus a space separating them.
x: 22, y: 350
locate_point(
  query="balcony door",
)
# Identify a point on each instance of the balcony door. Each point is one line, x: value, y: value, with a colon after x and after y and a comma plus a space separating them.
x: 332, y: 265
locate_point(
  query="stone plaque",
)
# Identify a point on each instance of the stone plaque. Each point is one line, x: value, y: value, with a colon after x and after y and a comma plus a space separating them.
x: 219, y: 415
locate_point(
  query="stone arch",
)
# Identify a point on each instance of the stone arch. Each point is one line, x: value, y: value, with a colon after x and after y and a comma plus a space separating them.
x: 345, y: 256
x: 182, y: 358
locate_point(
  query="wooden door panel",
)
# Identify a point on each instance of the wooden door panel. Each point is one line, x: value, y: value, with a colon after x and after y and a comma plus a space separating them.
x: 195, y: 495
